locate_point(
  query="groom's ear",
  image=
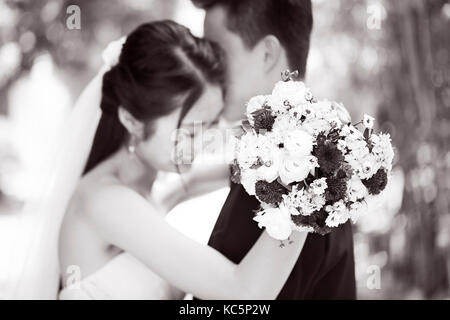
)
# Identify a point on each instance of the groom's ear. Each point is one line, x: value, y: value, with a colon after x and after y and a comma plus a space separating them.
x: 272, y: 51
x: 133, y: 126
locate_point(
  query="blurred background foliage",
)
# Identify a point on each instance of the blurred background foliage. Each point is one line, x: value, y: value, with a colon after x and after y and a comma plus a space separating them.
x: 390, y: 59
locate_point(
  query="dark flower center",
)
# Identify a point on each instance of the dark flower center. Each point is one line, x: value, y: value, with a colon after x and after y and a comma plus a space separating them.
x: 328, y: 155
x: 263, y: 120
x: 377, y: 182
x: 270, y: 192
x: 336, y: 189
x: 316, y: 220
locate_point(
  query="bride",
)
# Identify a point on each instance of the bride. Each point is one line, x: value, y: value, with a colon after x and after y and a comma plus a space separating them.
x: 112, y: 234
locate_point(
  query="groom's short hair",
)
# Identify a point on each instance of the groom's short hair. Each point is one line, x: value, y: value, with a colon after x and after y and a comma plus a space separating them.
x: 289, y: 20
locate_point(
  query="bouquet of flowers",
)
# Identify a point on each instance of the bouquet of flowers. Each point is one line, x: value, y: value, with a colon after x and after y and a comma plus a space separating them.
x: 308, y: 166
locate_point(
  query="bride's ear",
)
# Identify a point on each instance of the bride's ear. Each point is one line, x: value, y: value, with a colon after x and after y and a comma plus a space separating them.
x: 133, y: 126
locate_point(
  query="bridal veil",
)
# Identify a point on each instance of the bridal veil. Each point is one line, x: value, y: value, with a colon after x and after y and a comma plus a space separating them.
x: 33, y: 267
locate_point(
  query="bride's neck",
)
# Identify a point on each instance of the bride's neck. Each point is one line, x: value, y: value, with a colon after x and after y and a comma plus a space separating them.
x: 132, y: 172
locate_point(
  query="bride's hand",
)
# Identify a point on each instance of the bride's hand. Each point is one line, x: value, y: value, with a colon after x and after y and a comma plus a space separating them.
x: 168, y: 191
x: 203, y: 178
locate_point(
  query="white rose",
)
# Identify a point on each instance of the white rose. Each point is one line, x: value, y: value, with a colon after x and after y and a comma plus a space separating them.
x: 275, y: 137
x: 112, y: 52
x: 276, y: 103
x: 292, y: 91
x: 268, y: 173
x: 294, y: 168
x: 255, y: 103
x: 277, y: 222
x: 269, y: 170
x: 299, y: 142
x: 282, y: 126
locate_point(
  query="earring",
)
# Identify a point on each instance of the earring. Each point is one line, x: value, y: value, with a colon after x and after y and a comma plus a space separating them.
x: 132, y: 145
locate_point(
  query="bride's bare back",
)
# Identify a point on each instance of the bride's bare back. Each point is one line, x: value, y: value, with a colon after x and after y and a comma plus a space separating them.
x: 97, y: 262
x: 80, y: 242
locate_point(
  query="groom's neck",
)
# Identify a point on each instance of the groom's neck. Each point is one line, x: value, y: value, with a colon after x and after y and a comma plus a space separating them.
x: 274, y: 74
x: 263, y: 86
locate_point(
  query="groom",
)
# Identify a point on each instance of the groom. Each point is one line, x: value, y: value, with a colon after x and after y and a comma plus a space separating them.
x: 261, y: 38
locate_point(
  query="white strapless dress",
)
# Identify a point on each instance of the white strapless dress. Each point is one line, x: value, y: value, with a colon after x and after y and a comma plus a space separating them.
x: 122, y: 278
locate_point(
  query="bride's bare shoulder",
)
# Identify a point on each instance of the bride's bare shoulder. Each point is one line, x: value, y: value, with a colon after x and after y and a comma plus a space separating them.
x: 94, y: 196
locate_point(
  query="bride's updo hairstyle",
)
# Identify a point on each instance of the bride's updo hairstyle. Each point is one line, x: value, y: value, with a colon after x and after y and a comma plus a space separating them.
x: 162, y: 67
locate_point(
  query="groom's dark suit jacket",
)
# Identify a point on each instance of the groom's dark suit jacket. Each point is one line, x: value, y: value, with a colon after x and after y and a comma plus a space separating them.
x: 325, y: 267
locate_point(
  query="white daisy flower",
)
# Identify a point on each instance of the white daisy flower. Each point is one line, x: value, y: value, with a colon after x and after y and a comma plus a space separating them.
x: 368, y: 121
x: 318, y: 186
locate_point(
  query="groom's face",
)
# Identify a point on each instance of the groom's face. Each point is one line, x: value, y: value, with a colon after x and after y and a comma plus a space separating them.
x: 245, y: 66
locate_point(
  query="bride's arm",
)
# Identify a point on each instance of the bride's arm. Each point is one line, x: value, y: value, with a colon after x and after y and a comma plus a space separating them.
x: 126, y: 220
x: 201, y: 180
x: 209, y: 172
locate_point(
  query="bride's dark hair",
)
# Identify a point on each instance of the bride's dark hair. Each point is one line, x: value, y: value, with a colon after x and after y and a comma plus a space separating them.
x: 162, y: 67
